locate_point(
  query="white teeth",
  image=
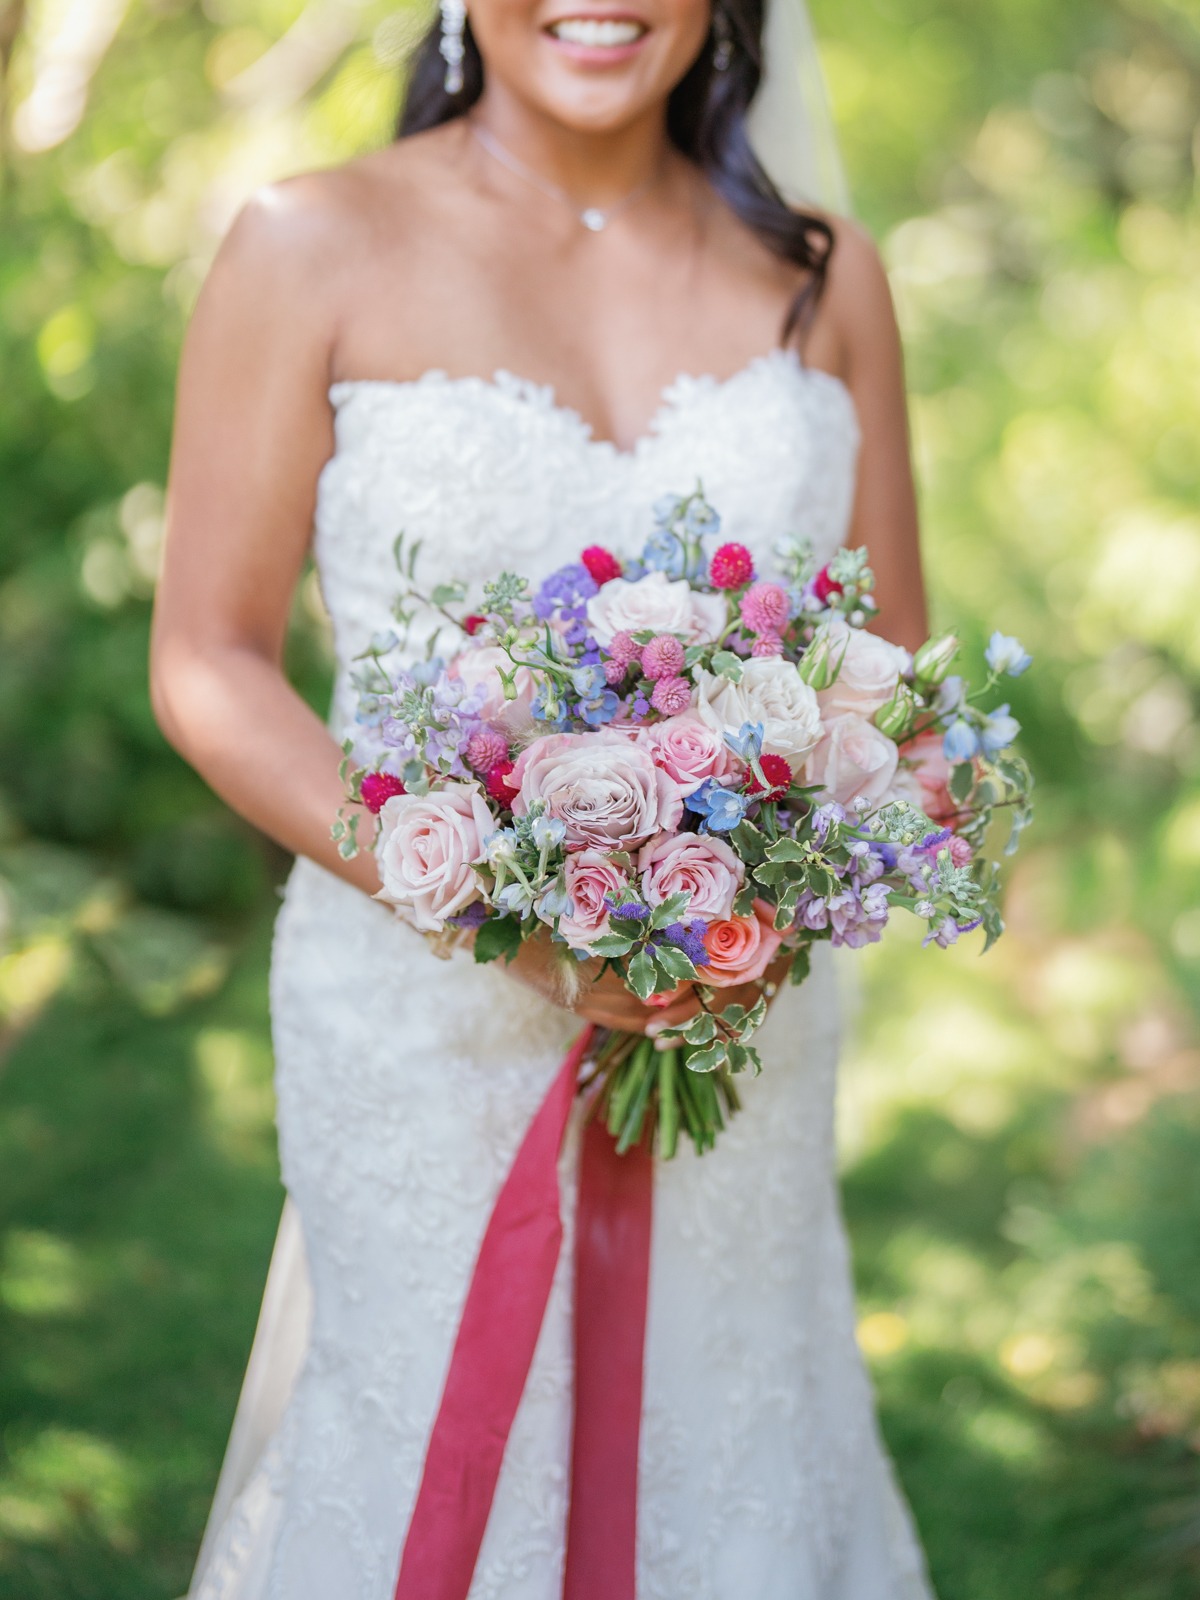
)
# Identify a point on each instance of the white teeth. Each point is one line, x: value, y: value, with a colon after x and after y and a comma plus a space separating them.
x: 594, y: 33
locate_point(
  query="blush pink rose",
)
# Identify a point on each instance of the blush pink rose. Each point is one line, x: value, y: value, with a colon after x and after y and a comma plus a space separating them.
x: 656, y: 603
x: 853, y: 761
x: 689, y: 751
x: 428, y: 848
x: 869, y: 673
x: 693, y: 864
x: 480, y: 669
x: 603, y: 785
x: 590, y: 876
x: 925, y: 767
x: 740, y: 949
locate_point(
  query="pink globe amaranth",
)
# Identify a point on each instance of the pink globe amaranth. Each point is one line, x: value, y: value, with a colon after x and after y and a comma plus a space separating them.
x: 624, y: 648
x: 663, y: 657
x: 961, y: 853
x: 485, y: 750
x: 671, y: 696
x: 767, y: 644
x: 732, y: 565
x: 602, y: 566
x: 378, y: 788
x: 766, y: 608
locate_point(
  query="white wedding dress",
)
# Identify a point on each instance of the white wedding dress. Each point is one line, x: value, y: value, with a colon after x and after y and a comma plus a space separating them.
x: 405, y: 1084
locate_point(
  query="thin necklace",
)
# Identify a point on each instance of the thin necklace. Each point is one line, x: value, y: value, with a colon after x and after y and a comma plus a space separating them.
x: 594, y: 218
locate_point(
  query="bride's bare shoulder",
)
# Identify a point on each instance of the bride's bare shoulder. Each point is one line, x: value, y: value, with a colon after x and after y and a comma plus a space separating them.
x: 308, y: 229
x: 856, y: 310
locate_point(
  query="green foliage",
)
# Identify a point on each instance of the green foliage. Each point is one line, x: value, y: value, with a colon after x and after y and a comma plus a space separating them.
x: 1021, y: 1134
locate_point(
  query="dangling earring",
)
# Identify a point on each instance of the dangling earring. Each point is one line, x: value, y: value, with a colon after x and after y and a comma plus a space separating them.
x: 723, y: 48
x: 454, y: 20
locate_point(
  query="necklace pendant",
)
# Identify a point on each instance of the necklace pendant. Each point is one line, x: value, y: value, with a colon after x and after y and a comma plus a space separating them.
x: 593, y: 219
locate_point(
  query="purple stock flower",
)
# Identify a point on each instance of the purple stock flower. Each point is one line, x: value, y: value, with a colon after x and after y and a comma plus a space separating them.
x: 565, y: 594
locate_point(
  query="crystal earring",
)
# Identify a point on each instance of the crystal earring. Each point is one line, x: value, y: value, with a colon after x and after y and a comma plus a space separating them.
x: 723, y: 35
x: 454, y: 20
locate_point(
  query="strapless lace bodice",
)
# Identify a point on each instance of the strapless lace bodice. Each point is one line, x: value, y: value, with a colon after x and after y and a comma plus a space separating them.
x: 405, y: 1084
x: 494, y: 473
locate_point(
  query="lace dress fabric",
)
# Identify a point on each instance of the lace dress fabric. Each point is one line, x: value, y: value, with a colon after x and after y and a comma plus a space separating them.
x: 405, y: 1084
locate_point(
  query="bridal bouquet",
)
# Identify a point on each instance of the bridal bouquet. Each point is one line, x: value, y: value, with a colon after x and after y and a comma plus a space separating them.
x: 679, y: 767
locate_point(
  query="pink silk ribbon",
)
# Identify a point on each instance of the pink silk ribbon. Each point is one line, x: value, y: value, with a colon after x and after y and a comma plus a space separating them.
x: 494, y: 1347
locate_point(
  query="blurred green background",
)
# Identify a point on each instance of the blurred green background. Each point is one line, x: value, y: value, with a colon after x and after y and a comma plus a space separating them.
x: 1021, y: 1135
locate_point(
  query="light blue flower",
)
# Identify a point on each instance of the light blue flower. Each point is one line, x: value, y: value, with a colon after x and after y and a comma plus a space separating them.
x: 998, y: 731
x: 516, y: 897
x: 664, y: 553
x: 666, y: 509
x: 722, y: 809
x: 546, y: 832
x: 951, y: 693
x: 501, y: 847
x: 746, y: 743
x: 961, y: 742
x: 701, y: 520
x: 554, y: 901
x: 1006, y: 654
x: 588, y: 681
x: 603, y: 708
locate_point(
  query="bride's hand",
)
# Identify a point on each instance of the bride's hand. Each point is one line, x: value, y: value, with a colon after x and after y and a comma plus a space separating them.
x: 604, y: 998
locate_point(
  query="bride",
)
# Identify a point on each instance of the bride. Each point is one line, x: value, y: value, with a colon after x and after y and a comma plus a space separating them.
x: 476, y: 336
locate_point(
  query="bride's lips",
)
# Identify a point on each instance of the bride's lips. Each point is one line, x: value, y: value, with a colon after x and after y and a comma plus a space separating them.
x: 597, y: 39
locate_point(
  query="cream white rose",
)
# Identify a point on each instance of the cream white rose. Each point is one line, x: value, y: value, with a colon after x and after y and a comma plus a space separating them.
x: 853, y: 761
x: 771, y: 692
x: 871, y: 669
x: 657, y: 603
x: 428, y: 848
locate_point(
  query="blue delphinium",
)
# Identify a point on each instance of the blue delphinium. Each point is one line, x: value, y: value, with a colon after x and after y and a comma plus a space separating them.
x: 1008, y: 655
x: 961, y: 742
x: 721, y: 809
x: 998, y: 731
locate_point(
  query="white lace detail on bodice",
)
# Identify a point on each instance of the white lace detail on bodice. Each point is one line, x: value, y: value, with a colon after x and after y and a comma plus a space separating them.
x: 405, y: 1084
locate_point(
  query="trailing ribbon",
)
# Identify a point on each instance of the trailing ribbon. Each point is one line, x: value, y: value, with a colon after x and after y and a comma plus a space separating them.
x: 493, y: 1351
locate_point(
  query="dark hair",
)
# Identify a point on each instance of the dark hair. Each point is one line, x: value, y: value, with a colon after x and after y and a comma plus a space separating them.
x: 706, y: 122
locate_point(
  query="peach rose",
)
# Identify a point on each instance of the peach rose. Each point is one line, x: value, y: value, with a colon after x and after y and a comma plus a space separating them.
x: 870, y: 671
x: 740, y: 949
x: 694, y: 864
x: 689, y: 751
x: 657, y: 603
x: 853, y: 761
x: 924, y: 777
x: 603, y: 785
x: 480, y: 669
x: 428, y: 848
x: 590, y: 877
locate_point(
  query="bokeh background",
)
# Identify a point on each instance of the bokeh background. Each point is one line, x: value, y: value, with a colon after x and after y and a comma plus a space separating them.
x: 1021, y: 1135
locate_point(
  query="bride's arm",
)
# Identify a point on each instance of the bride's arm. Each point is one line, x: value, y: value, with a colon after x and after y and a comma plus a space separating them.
x: 858, y: 337
x: 253, y: 429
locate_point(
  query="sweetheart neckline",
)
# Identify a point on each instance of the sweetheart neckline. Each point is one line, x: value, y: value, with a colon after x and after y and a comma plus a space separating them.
x: 544, y: 395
